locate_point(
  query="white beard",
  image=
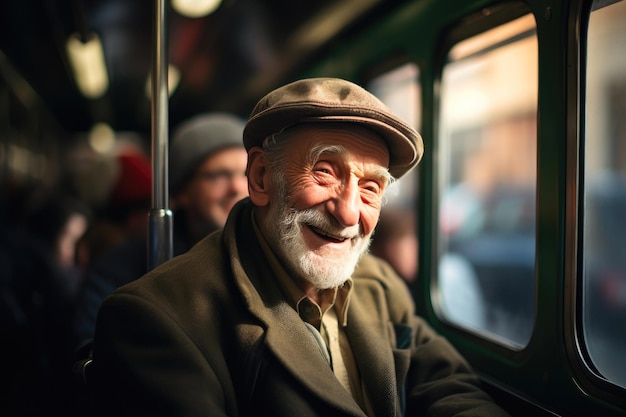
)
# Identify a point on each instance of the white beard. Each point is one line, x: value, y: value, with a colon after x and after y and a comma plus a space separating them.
x: 284, y: 225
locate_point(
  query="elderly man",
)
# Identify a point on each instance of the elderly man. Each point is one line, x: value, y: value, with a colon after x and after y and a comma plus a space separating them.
x: 271, y: 316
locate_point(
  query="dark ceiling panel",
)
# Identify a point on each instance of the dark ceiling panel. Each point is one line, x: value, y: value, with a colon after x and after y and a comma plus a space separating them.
x: 218, y: 55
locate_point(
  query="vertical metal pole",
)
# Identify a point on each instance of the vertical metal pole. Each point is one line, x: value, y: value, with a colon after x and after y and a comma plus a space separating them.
x: 160, y: 244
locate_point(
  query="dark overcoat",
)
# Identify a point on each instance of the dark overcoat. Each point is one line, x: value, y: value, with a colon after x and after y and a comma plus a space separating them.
x: 209, y: 333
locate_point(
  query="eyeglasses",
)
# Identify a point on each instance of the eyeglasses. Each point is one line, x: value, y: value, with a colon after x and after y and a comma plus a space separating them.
x: 221, y: 177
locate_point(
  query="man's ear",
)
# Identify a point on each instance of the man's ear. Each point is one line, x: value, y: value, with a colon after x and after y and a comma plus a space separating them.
x: 258, y: 177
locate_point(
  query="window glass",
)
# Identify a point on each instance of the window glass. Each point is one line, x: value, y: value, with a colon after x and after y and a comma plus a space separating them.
x: 395, y: 238
x: 487, y: 167
x: 604, y: 230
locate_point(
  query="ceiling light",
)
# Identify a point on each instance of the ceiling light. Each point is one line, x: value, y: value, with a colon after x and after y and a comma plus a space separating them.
x: 102, y: 138
x: 195, y: 8
x: 87, y: 61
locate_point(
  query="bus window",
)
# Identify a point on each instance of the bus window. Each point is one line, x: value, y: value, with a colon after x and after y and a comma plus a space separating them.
x: 400, y: 90
x: 604, y: 227
x: 395, y: 238
x: 487, y: 167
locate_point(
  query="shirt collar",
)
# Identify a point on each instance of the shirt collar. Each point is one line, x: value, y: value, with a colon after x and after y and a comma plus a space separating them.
x: 308, y: 309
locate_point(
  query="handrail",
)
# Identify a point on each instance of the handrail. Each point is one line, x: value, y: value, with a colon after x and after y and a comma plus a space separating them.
x: 160, y: 242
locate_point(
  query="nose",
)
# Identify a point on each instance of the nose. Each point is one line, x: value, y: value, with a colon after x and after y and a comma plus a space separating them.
x: 346, y: 205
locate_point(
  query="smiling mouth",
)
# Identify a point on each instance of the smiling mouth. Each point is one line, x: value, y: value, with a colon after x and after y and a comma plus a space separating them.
x: 324, y: 235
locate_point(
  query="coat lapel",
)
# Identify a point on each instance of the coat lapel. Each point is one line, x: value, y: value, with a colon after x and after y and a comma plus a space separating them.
x: 294, y: 345
x: 371, y: 345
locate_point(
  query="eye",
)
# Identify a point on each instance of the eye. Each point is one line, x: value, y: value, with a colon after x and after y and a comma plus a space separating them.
x: 371, y: 191
x: 372, y: 187
x: 323, y: 168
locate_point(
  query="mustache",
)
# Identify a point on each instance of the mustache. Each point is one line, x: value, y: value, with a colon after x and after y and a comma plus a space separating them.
x: 321, y: 222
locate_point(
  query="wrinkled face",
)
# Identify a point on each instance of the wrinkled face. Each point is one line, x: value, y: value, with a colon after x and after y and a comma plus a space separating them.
x: 219, y: 183
x: 326, y: 198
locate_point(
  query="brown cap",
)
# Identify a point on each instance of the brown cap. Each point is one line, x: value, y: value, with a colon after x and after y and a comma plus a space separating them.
x: 334, y: 100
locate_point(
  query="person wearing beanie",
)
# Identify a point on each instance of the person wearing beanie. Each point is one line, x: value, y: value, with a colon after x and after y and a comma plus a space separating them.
x: 206, y: 178
x: 283, y: 312
x: 207, y: 172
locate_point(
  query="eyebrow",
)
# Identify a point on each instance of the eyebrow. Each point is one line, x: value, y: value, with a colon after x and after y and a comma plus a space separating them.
x: 383, y: 173
x: 379, y: 172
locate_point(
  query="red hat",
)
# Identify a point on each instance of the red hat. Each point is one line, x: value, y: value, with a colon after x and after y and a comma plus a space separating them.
x: 134, y: 182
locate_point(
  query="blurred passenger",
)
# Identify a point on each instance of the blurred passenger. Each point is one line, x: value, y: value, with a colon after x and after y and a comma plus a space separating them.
x: 59, y: 224
x: 122, y: 216
x: 207, y: 177
x: 40, y: 280
x: 395, y: 240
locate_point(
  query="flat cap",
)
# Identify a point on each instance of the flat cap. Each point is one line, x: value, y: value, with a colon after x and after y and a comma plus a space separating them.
x: 197, y: 138
x: 334, y: 100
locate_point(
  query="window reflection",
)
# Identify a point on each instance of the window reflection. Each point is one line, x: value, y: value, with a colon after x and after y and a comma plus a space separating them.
x: 604, y: 241
x: 487, y: 174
